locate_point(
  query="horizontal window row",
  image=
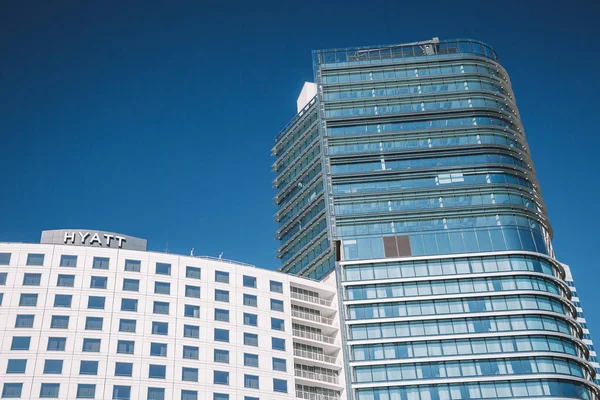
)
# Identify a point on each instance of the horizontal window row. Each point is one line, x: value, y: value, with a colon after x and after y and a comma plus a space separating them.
x: 468, y: 368
x: 483, y: 390
x: 453, y: 286
x: 465, y: 347
x: 384, y: 164
x: 424, y: 141
x: 388, y: 127
x: 434, y: 201
x: 456, y: 266
x: 460, y: 326
x: 456, y: 306
x: 393, y: 89
x: 401, y: 72
x: 22, y: 343
x: 121, y: 392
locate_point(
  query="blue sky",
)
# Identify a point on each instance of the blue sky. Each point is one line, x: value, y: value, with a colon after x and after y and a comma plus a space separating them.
x: 156, y: 118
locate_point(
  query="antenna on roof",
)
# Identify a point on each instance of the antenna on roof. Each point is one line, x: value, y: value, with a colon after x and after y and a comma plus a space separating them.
x: 167, y: 247
x: 221, y: 256
x: 192, y: 252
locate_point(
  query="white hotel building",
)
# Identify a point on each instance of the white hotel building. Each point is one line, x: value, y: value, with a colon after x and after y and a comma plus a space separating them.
x: 92, y: 320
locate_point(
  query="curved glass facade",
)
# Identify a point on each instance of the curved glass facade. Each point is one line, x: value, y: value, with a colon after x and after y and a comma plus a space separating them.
x: 428, y: 193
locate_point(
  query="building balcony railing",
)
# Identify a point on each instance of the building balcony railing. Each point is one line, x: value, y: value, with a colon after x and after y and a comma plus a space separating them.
x: 315, y: 356
x: 313, y: 336
x: 311, y: 299
x: 317, y: 377
x: 313, y: 317
x: 301, y: 394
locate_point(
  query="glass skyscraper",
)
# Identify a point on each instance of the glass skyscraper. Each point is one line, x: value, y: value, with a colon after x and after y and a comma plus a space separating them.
x: 409, y: 175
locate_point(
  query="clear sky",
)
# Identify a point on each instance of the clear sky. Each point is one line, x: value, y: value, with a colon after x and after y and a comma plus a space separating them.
x: 156, y: 118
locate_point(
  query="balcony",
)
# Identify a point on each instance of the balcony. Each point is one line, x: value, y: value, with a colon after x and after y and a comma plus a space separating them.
x: 313, y: 336
x: 313, y: 317
x: 317, y: 377
x: 301, y: 394
x: 311, y: 299
x: 315, y: 356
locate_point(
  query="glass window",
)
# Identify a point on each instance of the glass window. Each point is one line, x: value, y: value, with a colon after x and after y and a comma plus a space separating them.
x: 98, y: 282
x: 91, y: 345
x: 158, y: 349
x: 276, y: 305
x: 160, y: 328
x: 133, y: 265
x: 24, y: 321
x: 279, y: 385
x: 279, y: 364
x: 189, y: 395
x: 163, y: 269
x: 100, y: 263
x: 189, y: 374
x: 190, y: 352
x: 192, y: 272
x: 160, y: 307
x: 222, y: 276
x: 54, y: 344
x: 276, y: 287
x: 250, y: 398
x: 123, y: 369
x: 221, y: 315
x: 131, y: 285
x: 4, y: 258
x: 53, y: 366
x: 28, y: 300
x: 250, y: 381
x: 250, y: 319
x: 162, y: 288
x: 220, y: 396
x: 278, y: 344
x: 96, y: 302
x: 250, y: 300
x: 16, y: 366
x: 121, y: 392
x: 129, y: 305
x: 3, y: 276
x: 250, y: 339
x: 191, y: 331
x: 222, y: 295
x: 32, y: 279
x: 37, y: 260
x: 157, y: 371
x: 221, y: 335
x: 59, y: 322
x: 62, y: 300
x: 221, y: 378
x: 249, y: 281
x: 125, y: 347
x: 88, y: 367
x: 86, y: 391
x: 156, y: 393
x: 67, y: 261
x: 127, y: 325
x: 192, y: 311
x: 93, y: 323
x: 49, y: 390
x: 277, y: 324
x: 12, y: 390
x: 65, y: 281
x: 192, y: 291
x: 251, y: 360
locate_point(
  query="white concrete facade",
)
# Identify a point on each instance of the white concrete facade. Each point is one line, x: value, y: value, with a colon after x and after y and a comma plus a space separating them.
x: 309, y: 319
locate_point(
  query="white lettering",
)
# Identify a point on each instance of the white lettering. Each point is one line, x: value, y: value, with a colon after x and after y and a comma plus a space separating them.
x: 95, y: 238
x: 83, y: 237
x: 120, y: 239
x: 108, y: 238
x: 70, y: 237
